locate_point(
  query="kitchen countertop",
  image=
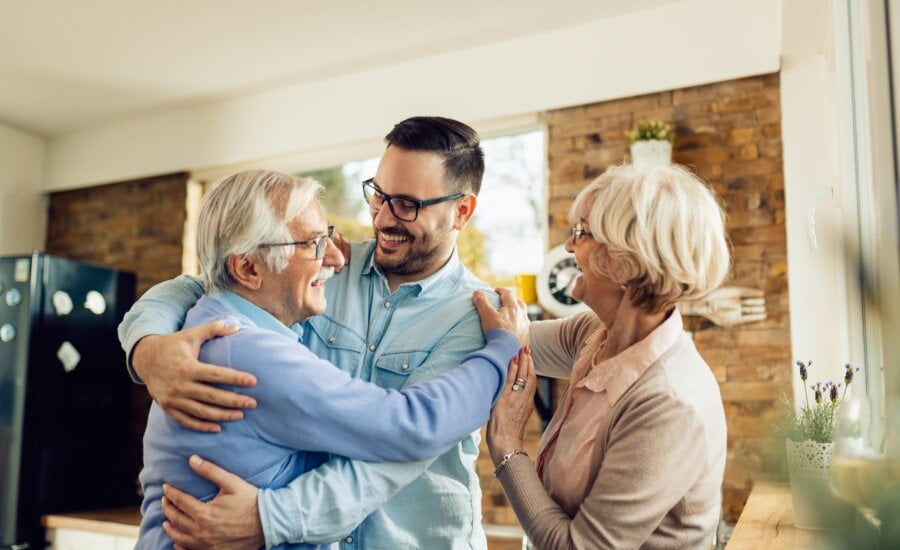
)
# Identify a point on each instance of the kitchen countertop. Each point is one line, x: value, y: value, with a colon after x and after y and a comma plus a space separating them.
x: 116, y: 521
x: 126, y: 522
x: 767, y: 521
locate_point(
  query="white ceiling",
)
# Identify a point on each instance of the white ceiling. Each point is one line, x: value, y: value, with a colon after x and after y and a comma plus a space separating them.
x: 71, y: 64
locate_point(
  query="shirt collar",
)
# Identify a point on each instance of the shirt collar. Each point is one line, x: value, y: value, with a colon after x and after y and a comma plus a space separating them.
x: 260, y: 317
x: 617, y: 374
x: 423, y: 285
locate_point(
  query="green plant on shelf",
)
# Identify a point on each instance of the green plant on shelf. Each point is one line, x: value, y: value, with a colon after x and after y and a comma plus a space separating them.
x: 650, y: 130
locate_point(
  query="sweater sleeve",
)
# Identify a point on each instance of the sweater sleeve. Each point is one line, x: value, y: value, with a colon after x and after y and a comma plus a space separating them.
x: 308, y: 404
x: 555, y: 344
x: 655, y: 454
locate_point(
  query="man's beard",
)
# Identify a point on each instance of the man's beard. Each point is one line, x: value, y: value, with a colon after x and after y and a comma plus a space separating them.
x: 421, y: 253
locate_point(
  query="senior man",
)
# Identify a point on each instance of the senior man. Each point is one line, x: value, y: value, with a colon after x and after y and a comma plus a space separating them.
x: 266, y: 252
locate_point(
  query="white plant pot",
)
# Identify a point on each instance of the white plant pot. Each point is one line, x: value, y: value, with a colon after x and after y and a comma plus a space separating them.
x: 815, y: 506
x: 651, y: 153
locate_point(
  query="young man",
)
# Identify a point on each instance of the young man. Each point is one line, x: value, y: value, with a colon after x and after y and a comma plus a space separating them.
x: 266, y: 252
x: 400, y: 313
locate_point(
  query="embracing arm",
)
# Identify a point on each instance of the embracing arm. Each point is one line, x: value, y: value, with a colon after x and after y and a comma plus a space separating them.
x: 555, y: 344
x: 167, y: 363
x: 317, y: 407
x: 655, y: 454
x: 160, y: 310
x: 331, y: 501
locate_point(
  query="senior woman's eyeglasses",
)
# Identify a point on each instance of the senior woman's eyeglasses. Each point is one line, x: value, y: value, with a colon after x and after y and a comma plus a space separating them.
x: 403, y: 209
x: 320, y: 242
x: 579, y: 233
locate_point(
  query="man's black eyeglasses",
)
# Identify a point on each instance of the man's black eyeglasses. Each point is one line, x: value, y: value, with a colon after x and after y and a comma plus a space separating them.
x: 402, y: 208
x: 320, y: 242
x: 578, y: 233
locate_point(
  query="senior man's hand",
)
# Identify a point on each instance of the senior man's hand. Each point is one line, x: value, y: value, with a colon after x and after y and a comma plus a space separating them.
x: 181, y: 384
x: 512, y: 315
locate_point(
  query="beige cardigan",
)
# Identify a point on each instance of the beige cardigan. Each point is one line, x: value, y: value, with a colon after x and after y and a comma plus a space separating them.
x: 658, y: 462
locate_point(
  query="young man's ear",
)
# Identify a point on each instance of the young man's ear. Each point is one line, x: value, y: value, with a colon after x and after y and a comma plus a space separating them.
x: 246, y: 270
x: 465, y: 208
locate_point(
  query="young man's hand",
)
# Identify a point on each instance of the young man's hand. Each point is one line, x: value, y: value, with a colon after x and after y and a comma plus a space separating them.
x: 228, y: 521
x: 181, y: 384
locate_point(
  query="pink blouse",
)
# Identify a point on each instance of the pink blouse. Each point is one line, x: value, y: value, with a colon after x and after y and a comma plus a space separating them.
x: 564, y: 455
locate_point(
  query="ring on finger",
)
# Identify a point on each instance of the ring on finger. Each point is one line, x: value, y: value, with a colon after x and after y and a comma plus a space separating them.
x: 518, y: 387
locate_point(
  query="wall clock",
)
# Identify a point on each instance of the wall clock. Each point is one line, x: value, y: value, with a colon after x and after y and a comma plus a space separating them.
x: 555, y: 283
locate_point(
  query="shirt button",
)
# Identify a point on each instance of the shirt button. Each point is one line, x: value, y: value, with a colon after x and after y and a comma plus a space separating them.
x: 387, y: 304
x: 349, y: 540
x: 405, y: 366
x: 331, y: 339
x: 371, y: 347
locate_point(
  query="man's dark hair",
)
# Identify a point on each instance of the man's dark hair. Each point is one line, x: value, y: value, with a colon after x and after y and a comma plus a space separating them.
x: 456, y: 142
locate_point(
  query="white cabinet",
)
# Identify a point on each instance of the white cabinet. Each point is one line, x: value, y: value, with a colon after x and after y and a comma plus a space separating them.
x: 97, y: 530
x: 74, y: 539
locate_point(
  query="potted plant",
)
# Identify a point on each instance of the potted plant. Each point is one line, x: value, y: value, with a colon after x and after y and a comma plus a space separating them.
x: 651, y: 144
x: 809, y: 438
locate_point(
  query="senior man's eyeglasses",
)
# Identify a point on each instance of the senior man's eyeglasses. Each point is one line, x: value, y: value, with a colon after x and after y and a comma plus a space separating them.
x: 320, y: 242
x: 578, y: 233
x: 402, y: 208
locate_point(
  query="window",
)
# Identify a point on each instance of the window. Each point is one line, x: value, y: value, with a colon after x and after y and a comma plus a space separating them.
x: 863, y: 60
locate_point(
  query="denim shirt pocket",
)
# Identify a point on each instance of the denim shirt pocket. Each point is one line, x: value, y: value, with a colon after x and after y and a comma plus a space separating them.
x: 392, y: 370
x: 334, y: 342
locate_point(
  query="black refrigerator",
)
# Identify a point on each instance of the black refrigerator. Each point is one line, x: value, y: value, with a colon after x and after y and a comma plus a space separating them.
x: 64, y: 393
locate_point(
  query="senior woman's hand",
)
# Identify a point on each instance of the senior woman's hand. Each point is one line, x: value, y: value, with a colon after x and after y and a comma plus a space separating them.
x: 506, y: 428
x: 512, y: 314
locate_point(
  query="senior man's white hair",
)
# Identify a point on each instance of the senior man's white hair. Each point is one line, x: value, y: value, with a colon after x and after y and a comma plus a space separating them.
x: 245, y: 210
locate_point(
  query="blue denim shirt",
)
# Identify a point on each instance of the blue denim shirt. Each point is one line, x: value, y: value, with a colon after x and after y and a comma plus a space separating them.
x: 308, y: 405
x: 393, y: 340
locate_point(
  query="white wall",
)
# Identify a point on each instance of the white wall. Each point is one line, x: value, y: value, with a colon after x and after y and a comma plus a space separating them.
x: 680, y: 44
x: 23, y: 208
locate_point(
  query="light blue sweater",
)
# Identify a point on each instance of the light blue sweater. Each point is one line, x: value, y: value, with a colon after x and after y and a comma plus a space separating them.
x: 308, y: 408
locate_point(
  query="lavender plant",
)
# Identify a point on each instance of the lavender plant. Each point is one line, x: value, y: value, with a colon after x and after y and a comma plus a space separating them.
x: 816, y: 421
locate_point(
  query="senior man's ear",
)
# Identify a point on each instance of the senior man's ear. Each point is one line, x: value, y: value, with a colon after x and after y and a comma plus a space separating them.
x: 246, y: 270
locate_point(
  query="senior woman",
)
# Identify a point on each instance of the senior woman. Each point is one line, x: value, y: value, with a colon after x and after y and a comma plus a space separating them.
x: 635, y: 453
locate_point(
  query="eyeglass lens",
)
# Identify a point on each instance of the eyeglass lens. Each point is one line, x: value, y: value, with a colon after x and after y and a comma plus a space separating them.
x: 578, y: 233
x: 402, y: 209
x: 322, y: 242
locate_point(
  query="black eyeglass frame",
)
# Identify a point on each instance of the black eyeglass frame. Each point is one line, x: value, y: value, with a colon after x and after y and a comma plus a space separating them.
x: 320, y: 242
x: 578, y: 232
x: 389, y: 199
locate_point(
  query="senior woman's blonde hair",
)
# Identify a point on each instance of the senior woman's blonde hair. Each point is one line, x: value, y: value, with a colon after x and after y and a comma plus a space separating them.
x: 243, y: 211
x: 663, y: 231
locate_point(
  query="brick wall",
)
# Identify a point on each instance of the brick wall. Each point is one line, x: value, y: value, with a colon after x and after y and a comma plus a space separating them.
x: 135, y: 226
x: 730, y: 134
